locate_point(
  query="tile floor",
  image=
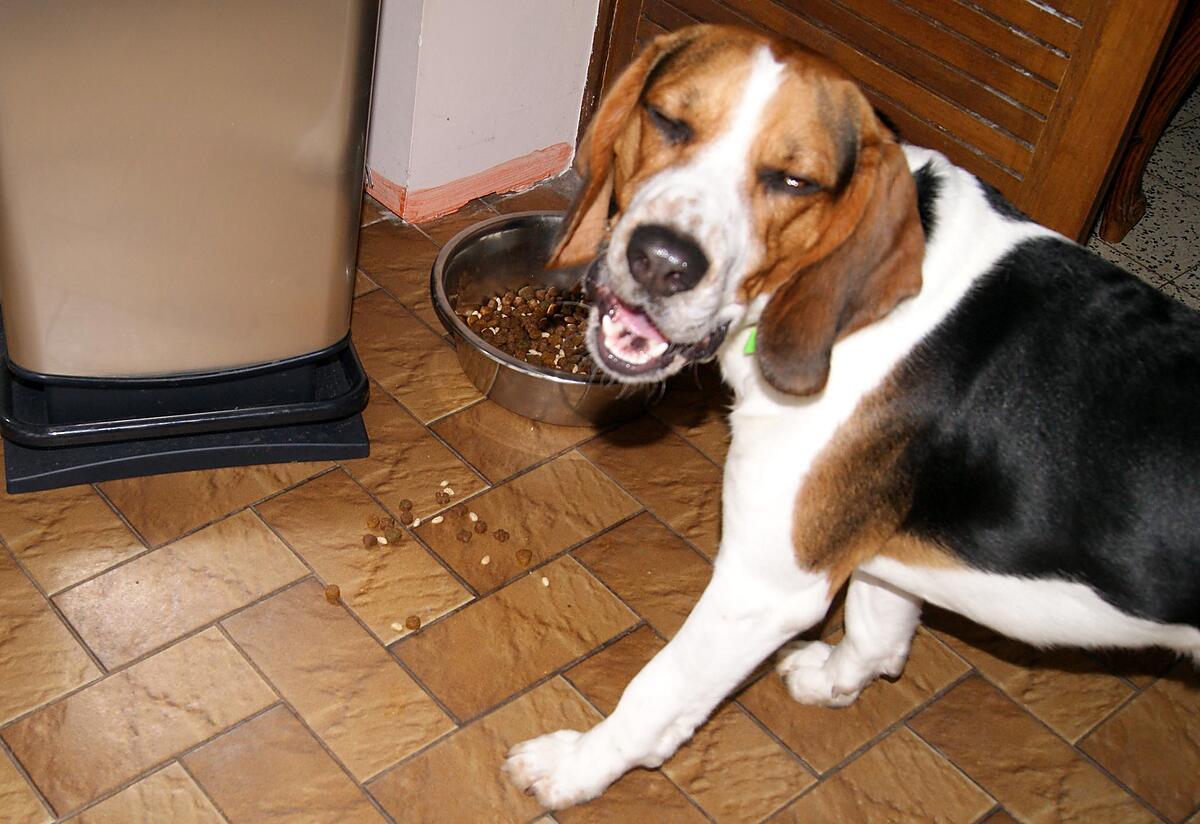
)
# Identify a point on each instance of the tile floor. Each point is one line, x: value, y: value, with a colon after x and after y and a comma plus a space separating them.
x: 167, y: 652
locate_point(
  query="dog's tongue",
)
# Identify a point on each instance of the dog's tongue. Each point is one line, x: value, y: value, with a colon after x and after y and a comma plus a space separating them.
x: 630, y: 335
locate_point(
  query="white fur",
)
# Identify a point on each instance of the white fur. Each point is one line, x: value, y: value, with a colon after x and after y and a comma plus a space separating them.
x: 759, y: 595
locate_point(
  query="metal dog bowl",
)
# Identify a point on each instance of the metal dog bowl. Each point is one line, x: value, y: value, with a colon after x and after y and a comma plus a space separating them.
x: 504, y: 253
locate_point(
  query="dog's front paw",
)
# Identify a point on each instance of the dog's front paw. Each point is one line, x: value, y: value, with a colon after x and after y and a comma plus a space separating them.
x: 555, y: 769
x: 810, y: 678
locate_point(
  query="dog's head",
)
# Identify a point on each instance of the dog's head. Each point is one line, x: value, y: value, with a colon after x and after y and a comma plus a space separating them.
x: 733, y: 178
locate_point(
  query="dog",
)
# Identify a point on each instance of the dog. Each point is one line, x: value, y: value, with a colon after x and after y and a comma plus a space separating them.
x: 936, y: 399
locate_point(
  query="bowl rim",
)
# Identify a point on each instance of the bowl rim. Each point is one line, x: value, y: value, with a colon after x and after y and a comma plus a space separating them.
x: 453, y: 324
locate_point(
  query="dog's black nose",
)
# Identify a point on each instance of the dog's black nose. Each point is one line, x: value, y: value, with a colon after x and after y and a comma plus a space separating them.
x: 664, y: 261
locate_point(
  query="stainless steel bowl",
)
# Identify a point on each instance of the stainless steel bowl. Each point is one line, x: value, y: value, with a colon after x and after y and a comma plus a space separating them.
x: 500, y: 254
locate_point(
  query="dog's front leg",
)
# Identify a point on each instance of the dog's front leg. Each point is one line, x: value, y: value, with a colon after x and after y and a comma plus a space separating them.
x: 741, y: 619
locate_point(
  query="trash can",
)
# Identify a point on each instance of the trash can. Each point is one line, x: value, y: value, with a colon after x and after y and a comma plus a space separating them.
x: 180, y: 186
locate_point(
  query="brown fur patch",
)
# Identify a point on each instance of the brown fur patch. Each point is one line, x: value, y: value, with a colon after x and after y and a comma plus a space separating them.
x: 857, y: 494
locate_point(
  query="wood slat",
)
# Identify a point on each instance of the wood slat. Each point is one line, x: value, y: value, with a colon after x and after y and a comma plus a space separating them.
x: 959, y: 52
x: 1078, y: 9
x: 1034, y: 20
x: 918, y: 65
x: 666, y: 15
x: 970, y: 23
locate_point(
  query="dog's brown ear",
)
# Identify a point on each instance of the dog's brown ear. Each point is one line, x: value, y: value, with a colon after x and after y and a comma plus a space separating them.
x: 587, y: 221
x: 858, y: 282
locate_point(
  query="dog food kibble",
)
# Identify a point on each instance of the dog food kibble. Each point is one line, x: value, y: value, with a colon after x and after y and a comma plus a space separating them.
x: 382, y: 540
x: 392, y: 534
x: 480, y: 527
x: 449, y: 492
x: 473, y: 517
x: 524, y: 556
x: 406, y: 505
x: 464, y: 535
x: 441, y: 497
x: 444, y: 483
x: 545, y: 581
x: 500, y: 535
x: 373, y: 522
x: 369, y: 540
x: 397, y: 627
x: 485, y: 560
x: 412, y: 622
x: 460, y: 510
x: 437, y: 519
x: 332, y: 593
x: 543, y: 326
x: 406, y: 517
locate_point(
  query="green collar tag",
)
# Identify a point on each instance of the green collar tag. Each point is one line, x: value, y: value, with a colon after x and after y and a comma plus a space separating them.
x: 751, y: 342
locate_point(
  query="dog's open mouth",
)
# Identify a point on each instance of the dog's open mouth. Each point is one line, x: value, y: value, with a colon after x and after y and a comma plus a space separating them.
x: 628, y: 344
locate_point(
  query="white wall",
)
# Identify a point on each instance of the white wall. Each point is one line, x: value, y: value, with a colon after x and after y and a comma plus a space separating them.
x: 462, y: 86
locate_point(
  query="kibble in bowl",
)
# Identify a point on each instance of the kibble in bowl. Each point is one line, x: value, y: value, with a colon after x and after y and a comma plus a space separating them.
x: 524, y: 350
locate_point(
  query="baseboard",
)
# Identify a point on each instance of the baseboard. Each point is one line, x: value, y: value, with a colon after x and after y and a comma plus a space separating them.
x: 426, y: 204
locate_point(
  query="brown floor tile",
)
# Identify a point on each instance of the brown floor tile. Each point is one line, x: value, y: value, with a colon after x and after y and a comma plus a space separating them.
x: 408, y: 359
x: 1066, y: 688
x: 271, y: 769
x: 1153, y: 744
x: 1141, y: 667
x: 163, y: 507
x: 18, y: 801
x: 169, y: 592
x: 544, y: 511
x: 342, y: 682
x: 459, y: 778
x: 500, y: 443
x: 64, y: 535
x: 491, y: 649
x: 695, y: 406
x: 39, y: 658
x: 999, y: 817
x: 324, y: 521
x: 899, y: 779
x: 1033, y: 773
x: 536, y: 198
x: 363, y: 284
x: 399, y: 258
x: 406, y: 462
x: 604, y: 676
x: 444, y: 228
x: 638, y: 796
x: 650, y: 569
x: 668, y: 476
x: 372, y: 210
x: 824, y: 737
x: 169, y: 795
x: 732, y: 769
x: 78, y: 748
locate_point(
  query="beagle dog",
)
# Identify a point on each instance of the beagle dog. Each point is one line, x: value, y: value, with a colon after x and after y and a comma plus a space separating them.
x: 936, y: 399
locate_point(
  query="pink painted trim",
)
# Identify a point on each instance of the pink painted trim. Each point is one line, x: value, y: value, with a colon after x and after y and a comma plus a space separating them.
x: 518, y: 173
x: 391, y: 195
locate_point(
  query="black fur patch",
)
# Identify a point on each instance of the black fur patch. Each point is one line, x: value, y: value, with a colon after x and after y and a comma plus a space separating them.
x: 929, y: 187
x: 1056, y: 431
x: 1000, y: 204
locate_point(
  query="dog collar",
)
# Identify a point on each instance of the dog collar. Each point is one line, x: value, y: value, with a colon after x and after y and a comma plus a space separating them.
x: 751, y: 342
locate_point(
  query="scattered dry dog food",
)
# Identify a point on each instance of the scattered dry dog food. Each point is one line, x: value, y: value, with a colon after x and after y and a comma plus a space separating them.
x: 541, y: 326
x: 524, y: 556
x: 373, y: 522
x: 500, y: 535
x: 485, y: 560
x: 369, y: 540
x: 480, y: 527
x: 392, y: 534
x: 437, y: 519
x: 460, y: 510
x: 406, y: 517
x: 473, y: 517
x: 332, y: 593
x: 545, y: 581
x: 398, y: 627
x: 464, y: 535
x: 441, y: 497
x: 412, y: 622
x: 406, y: 505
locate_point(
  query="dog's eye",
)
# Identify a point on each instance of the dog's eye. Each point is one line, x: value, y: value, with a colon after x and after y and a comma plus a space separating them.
x: 779, y: 181
x: 675, y: 131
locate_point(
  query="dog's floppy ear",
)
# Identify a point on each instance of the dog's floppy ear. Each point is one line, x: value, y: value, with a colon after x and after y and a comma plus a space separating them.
x: 876, y: 266
x: 587, y: 221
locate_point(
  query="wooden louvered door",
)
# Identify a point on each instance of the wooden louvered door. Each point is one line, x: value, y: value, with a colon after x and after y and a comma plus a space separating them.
x: 1034, y: 96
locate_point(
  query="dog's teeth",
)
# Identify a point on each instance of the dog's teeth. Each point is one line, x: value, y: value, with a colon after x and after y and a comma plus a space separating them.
x: 657, y: 349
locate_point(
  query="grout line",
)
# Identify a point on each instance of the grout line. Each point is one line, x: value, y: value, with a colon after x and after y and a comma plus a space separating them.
x: 202, y: 788
x: 121, y: 515
x: 20, y: 768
